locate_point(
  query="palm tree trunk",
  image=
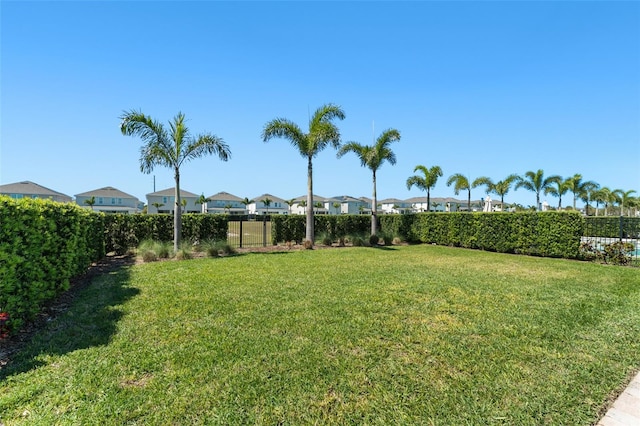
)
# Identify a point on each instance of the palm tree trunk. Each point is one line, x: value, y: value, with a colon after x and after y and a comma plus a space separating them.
x: 428, y: 200
x: 469, y: 199
x: 310, y: 233
x: 374, y: 209
x: 177, y: 213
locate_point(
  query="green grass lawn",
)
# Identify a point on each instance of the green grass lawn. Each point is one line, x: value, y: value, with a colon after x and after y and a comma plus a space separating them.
x: 406, y: 335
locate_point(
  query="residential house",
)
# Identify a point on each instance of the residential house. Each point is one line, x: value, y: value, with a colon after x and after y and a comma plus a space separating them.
x: 223, y: 202
x: 300, y: 205
x: 352, y: 205
x: 109, y: 200
x: 394, y: 205
x: 164, y: 201
x: 275, y: 205
x: 28, y: 189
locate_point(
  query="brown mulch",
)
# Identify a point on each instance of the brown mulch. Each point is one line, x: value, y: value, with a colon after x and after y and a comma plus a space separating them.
x: 55, y: 307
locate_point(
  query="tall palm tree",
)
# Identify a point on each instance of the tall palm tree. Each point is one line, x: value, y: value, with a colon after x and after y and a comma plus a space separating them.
x: 322, y: 132
x: 587, y: 192
x: 602, y: 195
x: 426, y: 181
x: 246, y: 202
x: 576, y: 185
x: 500, y: 188
x: 267, y: 202
x: 461, y: 183
x: 90, y: 202
x: 623, y: 198
x: 290, y: 203
x: 170, y: 148
x: 202, y: 200
x: 373, y: 156
x: 536, y: 182
x: 557, y: 188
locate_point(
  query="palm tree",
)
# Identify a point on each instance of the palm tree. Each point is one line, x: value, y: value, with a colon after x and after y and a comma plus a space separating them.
x: 318, y: 205
x: 426, y: 181
x: 603, y: 195
x: 170, y: 148
x: 267, y: 202
x: 536, y: 182
x: 227, y: 208
x: 90, y: 202
x: 623, y: 198
x: 290, y: 203
x: 246, y: 202
x: 501, y: 188
x: 183, y: 203
x: 157, y: 206
x: 322, y: 132
x: 336, y: 206
x: 558, y: 190
x: 303, y: 204
x: 578, y: 187
x: 373, y: 157
x: 202, y: 200
x: 461, y: 183
x: 587, y: 192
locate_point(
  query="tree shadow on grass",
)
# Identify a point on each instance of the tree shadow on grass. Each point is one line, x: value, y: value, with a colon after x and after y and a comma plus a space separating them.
x: 83, y: 317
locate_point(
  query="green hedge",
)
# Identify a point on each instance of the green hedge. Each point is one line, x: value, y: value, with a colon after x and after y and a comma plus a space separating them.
x: 551, y: 234
x: 123, y: 232
x: 43, y: 244
x: 293, y: 227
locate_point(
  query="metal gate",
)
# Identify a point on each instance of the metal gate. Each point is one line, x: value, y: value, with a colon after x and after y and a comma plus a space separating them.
x: 249, y: 231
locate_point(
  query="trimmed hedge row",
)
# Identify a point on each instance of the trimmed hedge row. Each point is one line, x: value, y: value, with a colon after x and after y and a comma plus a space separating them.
x: 293, y: 227
x: 123, y: 232
x: 43, y: 244
x: 550, y: 234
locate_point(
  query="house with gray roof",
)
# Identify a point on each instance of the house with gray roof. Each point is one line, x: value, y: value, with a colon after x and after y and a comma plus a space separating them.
x: 109, y: 200
x: 28, y: 189
x: 223, y: 202
x: 164, y: 201
x: 276, y: 205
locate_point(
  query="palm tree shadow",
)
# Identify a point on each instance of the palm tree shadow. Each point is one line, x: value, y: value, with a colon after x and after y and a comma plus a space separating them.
x: 87, y: 316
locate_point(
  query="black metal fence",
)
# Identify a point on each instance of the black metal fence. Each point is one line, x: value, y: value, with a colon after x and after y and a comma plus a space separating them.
x: 618, y: 234
x: 249, y: 231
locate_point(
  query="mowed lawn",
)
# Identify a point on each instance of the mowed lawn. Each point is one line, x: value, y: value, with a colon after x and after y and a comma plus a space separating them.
x: 405, y: 335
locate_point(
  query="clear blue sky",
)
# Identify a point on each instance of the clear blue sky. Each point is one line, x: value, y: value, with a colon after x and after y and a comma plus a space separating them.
x: 479, y: 88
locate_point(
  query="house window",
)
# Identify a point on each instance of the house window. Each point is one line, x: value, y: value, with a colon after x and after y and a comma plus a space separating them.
x: 100, y: 200
x: 113, y: 201
x: 119, y: 200
x: 164, y: 200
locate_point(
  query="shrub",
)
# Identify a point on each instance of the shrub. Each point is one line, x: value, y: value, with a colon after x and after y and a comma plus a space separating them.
x: 374, y: 239
x: 308, y: 244
x: 215, y: 248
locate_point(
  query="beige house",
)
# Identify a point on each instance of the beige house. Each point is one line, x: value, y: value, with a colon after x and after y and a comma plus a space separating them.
x: 28, y: 189
x: 164, y: 201
x: 109, y: 200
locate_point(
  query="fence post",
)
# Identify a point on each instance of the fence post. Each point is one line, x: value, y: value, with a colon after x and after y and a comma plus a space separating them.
x: 264, y: 231
x: 621, y: 228
x: 241, y: 220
